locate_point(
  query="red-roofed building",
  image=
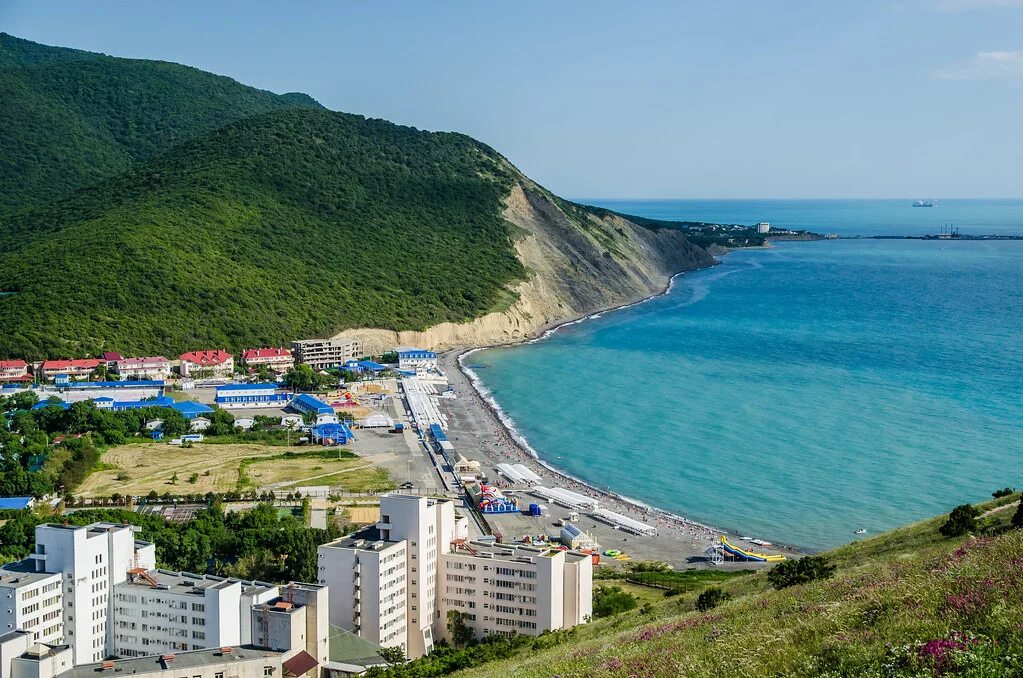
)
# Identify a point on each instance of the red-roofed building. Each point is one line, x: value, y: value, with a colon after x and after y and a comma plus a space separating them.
x: 14, y: 370
x: 111, y: 357
x: 155, y: 367
x: 73, y: 369
x: 279, y: 360
x: 215, y: 363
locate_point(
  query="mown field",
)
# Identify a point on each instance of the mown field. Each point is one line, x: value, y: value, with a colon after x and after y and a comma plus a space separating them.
x: 139, y: 468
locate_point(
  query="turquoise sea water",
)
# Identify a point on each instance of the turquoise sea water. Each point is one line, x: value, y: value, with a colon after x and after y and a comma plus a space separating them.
x: 795, y: 393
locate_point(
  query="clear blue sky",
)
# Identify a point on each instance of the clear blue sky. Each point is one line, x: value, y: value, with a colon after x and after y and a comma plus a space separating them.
x: 911, y: 98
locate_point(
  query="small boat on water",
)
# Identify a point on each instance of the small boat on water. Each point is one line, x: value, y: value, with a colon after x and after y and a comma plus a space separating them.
x: 761, y: 542
x: 923, y: 203
x: 861, y: 531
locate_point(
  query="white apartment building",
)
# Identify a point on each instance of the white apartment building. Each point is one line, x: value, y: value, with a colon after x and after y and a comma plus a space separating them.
x: 321, y: 354
x: 153, y: 367
x: 516, y: 589
x: 91, y: 559
x: 296, y: 621
x: 354, y: 568
x: 159, y: 610
x: 500, y: 589
x: 31, y: 601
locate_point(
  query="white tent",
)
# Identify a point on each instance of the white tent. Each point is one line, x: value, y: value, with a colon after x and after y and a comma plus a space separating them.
x: 377, y: 421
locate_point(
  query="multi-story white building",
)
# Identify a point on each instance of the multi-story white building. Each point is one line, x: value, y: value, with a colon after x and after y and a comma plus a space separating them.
x: 153, y: 367
x: 498, y: 589
x: 159, y: 610
x: 91, y: 559
x: 321, y: 354
x: 763, y: 227
x: 250, y: 396
x: 295, y: 621
x: 31, y: 601
x: 356, y: 567
x: 515, y: 589
x: 215, y: 364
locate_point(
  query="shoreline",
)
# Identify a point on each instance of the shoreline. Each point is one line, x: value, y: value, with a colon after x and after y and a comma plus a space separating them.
x: 662, y: 518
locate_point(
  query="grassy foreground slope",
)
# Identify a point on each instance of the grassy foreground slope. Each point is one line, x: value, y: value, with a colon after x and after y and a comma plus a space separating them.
x: 71, y: 118
x: 292, y: 223
x: 905, y: 603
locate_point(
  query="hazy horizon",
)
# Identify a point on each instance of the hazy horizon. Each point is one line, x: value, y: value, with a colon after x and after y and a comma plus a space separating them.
x: 873, y: 100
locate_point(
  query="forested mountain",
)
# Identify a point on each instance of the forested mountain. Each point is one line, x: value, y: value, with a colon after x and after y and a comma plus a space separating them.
x: 147, y: 207
x: 71, y: 118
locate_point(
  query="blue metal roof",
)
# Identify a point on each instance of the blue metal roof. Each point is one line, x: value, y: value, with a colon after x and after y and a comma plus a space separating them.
x: 370, y: 365
x: 247, y: 387
x: 339, y: 432
x: 190, y: 408
x: 438, y: 433
x: 15, y: 502
x: 309, y: 403
x: 115, y: 384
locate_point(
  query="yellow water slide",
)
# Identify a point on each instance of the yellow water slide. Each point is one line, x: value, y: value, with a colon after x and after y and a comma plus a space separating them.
x: 749, y: 555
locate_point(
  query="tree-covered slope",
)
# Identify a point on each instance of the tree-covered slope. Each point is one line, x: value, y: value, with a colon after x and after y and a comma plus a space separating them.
x: 293, y: 223
x: 70, y: 118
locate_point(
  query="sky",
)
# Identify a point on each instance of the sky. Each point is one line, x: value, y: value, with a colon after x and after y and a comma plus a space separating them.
x: 594, y: 99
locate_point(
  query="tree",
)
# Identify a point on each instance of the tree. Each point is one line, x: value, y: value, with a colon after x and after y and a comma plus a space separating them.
x: 194, y: 478
x: 962, y: 520
x: 392, y: 655
x: 611, y: 600
x: 461, y: 634
x: 1004, y: 492
x: 301, y: 378
x: 174, y: 479
x: 801, y: 571
x: 711, y: 598
x: 1017, y: 517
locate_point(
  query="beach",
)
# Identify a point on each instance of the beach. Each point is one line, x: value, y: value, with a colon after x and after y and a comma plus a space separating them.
x: 480, y: 433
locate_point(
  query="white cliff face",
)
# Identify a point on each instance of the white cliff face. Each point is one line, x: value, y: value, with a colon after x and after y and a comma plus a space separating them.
x: 577, y: 262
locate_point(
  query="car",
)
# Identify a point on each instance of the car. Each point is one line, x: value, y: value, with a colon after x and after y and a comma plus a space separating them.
x: 407, y: 485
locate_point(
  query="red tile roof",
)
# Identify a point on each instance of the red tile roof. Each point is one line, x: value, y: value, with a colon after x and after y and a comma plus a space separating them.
x: 111, y: 356
x: 84, y: 363
x: 214, y: 357
x: 13, y: 364
x: 301, y: 663
x: 266, y: 353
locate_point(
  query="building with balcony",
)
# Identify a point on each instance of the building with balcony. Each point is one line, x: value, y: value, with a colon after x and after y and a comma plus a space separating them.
x: 277, y: 360
x: 419, y: 553
x: 153, y: 367
x: 322, y: 354
x: 215, y: 364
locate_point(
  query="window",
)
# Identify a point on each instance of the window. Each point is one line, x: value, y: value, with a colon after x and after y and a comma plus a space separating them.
x: 268, y: 670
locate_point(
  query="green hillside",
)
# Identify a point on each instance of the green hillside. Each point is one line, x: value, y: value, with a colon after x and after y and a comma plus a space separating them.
x: 905, y: 603
x: 71, y: 118
x: 288, y: 224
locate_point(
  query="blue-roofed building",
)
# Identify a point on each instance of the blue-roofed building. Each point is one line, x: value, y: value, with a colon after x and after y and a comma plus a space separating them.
x: 361, y: 366
x: 233, y: 396
x: 119, y: 385
x: 414, y: 359
x: 15, y: 503
x: 107, y: 403
x: 191, y: 409
x: 332, y: 434
x: 304, y: 403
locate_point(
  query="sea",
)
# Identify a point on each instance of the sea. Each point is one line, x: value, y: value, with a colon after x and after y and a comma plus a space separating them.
x: 800, y: 392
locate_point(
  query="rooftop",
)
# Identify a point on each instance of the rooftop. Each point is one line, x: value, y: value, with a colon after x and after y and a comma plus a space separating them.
x: 22, y: 573
x: 214, y: 357
x: 511, y: 553
x: 15, y: 502
x: 248, y: 387
x: 367, y: 539
x: 184, y: 582
x: 170, y: 662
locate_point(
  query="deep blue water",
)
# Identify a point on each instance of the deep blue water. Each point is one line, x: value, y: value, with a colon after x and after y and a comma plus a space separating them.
x: 795, y: 393
x: 845, y: 217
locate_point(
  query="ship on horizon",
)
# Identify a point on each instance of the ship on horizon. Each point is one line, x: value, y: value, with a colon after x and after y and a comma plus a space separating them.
x: 924, y: 203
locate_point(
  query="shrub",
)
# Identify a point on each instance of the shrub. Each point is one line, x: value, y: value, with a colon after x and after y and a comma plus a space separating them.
x: 1017, y: 517
x: 792, y: 572
x: 1004, y: 492
x: 961, y: 520
x: 711, y: 598
x: 611, y: 600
